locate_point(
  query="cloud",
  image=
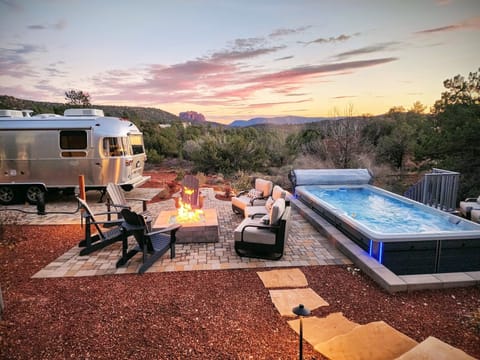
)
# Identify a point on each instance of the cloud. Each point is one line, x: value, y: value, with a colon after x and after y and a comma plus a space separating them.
x: 14, y: 61
x: 60, y: 25
x: 315, y: 70
x: 12, y: 5
x: 244, y: 54
x: 205, y: 82
x: 53, y: 70
x: 286, y: 32
x: 367, y: 50
x: 285, y: 58
x: 244, y: 48
x: 270, y: 104
x: 344, y: 97
x: 227, y: 77
x: 217, y: 75
x: 332, y: 39
x: 472, y: 23
x: 37, y: 27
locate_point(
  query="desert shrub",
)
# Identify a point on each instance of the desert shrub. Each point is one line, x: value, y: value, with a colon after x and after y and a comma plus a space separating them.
x: 241, y: 181
x: 202, y: 178
x: 153, y: 157
x: 180, y: 175
x: 311, y: 162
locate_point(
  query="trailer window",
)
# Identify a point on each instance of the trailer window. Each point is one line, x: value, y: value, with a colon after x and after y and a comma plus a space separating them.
x: 137, y: 144
x: 73, y: 140
x: 113, y: 147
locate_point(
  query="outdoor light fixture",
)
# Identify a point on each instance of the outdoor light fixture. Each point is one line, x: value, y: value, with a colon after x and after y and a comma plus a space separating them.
x: 301, y: 311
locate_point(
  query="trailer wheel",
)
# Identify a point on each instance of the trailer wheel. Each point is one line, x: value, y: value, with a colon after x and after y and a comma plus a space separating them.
x: 32, y: 192
x: 7, y: 195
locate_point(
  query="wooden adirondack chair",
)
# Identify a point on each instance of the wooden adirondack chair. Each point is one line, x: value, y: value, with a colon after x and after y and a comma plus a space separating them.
x: 118, y: 201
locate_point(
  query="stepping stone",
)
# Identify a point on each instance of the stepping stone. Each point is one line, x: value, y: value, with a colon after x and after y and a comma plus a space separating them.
x: 374, y: 341
x: 317, y: 330
x: 283, y: 278
x: 434, y: 349
x: 285, y: 300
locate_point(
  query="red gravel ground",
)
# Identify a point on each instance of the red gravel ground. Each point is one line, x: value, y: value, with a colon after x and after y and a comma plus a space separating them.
x: 193, y: 315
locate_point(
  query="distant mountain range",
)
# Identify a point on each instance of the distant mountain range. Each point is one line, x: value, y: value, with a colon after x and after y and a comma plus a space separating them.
x: 152, y: 114
x: 280, y: 120
x: 128, y: 112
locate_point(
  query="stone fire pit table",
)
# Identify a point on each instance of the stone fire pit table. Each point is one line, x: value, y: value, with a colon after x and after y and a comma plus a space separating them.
x: 204, y: 230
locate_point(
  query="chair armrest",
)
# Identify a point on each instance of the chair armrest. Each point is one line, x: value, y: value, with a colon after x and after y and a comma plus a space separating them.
x: 137, y: 199
x: 253, y: 216
x: 108, y: 223
x: 129, y: 227
x: 118, y: 206
x: 258, y: 198
x: 258, y: 227
x: 103, y: 213
x: 171, y: 228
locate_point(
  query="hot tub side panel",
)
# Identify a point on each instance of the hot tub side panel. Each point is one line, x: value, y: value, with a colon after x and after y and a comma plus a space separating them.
x: 459, y: 255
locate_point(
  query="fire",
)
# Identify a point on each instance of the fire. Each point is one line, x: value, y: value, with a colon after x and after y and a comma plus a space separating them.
x: 185, y: 213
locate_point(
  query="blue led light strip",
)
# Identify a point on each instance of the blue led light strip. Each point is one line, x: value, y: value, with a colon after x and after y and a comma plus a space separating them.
x: 380, y: 253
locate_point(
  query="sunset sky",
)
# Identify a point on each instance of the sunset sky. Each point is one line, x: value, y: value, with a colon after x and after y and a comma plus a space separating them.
x: 238, y: 59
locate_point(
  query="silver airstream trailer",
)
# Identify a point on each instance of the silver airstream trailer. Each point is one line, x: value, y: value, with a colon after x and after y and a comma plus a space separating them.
x: 45, y: 152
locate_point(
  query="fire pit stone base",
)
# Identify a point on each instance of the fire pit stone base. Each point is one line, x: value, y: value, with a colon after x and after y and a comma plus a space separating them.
x: 204, y: 230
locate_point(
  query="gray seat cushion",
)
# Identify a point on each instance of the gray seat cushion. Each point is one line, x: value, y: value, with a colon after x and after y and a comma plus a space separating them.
x: 465, y: 206
x: 254, y: 234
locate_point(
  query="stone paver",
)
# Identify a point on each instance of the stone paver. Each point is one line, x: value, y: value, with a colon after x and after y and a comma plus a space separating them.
x: 305, y: 246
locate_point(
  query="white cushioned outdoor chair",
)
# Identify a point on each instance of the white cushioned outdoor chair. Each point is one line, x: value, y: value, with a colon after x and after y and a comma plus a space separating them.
x: 264, y: 236
x: 277, y: 193
x: 256, y: 196
x: 475, y: 215
x: 468, y: 205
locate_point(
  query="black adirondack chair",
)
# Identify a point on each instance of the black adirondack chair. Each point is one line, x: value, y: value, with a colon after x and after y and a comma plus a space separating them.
x: 152, y: 244
x: 107, y: 232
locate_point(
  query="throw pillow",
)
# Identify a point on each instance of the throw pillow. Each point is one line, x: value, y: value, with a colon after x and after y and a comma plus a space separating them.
x: 254, y: 194
x: 269, y: 204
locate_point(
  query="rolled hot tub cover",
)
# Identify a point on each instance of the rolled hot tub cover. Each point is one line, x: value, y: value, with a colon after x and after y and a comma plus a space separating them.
x: 300, y: 177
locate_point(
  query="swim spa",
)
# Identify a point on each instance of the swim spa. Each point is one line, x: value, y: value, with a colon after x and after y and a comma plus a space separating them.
x: 405, y: 236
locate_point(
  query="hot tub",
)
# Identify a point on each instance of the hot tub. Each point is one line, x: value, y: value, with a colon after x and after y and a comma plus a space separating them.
x: 405, y: 236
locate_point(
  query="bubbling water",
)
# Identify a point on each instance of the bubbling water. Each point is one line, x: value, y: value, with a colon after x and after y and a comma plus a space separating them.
x: 382, y: 213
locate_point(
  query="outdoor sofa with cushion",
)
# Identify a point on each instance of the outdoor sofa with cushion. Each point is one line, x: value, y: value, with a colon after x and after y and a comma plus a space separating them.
x: 277, y: 193
x: 264, y: 236
x: 256, y: 196
x: 475, y: 215
x: 468, y: 205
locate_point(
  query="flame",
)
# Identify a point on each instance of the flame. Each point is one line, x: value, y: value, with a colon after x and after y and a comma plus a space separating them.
x: 188, y: 191
x: 185, y: 213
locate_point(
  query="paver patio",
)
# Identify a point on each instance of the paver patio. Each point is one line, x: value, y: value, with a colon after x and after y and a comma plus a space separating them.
x: 305, y: 246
